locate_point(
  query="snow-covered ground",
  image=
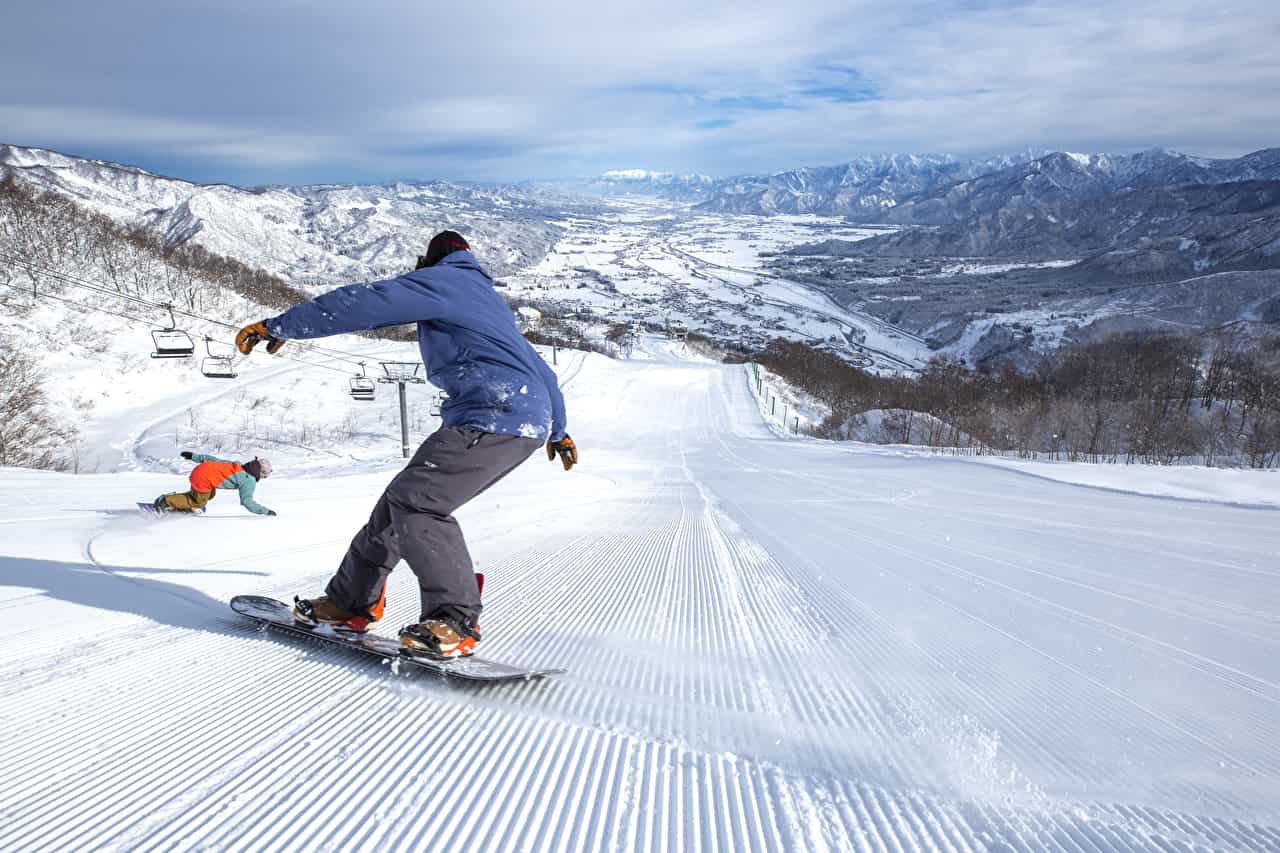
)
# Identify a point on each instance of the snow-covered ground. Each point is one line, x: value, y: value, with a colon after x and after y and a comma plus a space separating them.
x: 981, y: 268
x: 1237, y: 486
x: 791, y: 412
x: 651, y: 262
x: 784, y: 407
x: 771, y: 645
x: 132, y: 411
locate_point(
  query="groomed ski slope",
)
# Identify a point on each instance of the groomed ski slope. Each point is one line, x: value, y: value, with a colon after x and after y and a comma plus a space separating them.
x: 771, y: 644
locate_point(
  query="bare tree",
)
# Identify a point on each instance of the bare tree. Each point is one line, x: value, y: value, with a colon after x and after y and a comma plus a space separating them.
x: 30, y: 435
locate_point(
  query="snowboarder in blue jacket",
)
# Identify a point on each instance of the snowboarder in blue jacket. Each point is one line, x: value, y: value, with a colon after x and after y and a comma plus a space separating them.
x: 503, y: 403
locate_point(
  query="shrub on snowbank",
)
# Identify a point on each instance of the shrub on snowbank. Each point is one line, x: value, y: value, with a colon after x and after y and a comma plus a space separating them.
x: 1160, y: 399
x: 31, y: 436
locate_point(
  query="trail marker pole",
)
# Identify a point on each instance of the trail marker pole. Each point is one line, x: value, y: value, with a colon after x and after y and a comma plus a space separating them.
x: 403, y: 373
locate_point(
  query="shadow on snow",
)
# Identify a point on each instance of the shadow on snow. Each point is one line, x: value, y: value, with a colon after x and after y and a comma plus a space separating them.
x: 132, y: 590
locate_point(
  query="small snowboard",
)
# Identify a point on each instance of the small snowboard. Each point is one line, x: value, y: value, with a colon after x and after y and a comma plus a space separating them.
x: 151, y: 510
x: 278, y: 615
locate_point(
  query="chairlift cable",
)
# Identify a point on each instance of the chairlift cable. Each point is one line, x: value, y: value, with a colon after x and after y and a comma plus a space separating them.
x: 67, y: 278
x: 145, y: 322
x: 130, y: 317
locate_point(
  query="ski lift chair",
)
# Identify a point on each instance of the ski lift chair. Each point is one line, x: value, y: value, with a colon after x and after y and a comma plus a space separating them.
x: 172, y: 342
x: 437, y: 403
x: 216, y: 366
x: 362, y: 387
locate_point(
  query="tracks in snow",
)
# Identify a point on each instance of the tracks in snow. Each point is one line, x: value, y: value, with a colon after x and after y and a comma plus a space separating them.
x: 901, y: 665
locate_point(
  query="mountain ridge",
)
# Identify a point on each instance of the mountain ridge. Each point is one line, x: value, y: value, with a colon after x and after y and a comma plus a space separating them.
x: 317, y: 235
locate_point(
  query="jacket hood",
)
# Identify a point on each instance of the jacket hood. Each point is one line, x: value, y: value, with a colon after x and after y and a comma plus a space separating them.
x: 461, y: 259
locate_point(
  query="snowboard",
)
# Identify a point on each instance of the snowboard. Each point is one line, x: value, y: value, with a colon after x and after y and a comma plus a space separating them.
x: 150, y: 510
x: 279, y: 616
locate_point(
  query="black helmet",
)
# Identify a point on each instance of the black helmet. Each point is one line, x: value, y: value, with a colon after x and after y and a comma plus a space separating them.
x: 441, y: 245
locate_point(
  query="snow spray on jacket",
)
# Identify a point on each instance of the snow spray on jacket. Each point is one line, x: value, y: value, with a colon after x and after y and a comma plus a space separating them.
x: 470, y: 344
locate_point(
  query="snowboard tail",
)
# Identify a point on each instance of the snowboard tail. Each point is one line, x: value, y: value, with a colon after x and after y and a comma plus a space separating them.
x: 279, y: 616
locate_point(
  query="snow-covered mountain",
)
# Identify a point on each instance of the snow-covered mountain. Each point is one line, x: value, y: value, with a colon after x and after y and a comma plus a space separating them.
x: 1233, y: 225
x: 1149, y: 217
x: 1139, y: 219
x: 643, y: 182
x: 913, y: 189
x: 862, y: 188
x: 1066, y: 177
x: 315, y: 235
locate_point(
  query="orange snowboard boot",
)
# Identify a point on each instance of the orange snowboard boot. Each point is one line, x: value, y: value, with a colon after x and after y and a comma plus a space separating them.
x: 448, y: 634
x: 323, y: 611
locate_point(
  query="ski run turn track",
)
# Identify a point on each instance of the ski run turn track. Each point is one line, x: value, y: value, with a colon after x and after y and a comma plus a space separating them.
x: 771, y: 644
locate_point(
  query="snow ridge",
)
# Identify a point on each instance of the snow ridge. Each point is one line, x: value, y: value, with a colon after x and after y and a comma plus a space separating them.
x: 316, y: 236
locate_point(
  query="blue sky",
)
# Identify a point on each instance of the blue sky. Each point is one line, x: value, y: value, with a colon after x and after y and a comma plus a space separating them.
x: 284, y: 92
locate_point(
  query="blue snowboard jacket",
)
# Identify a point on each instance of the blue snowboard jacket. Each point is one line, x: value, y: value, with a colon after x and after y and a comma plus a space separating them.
x: 471, y: 346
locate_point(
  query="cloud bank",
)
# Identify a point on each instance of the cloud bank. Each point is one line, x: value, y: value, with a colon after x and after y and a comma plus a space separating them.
x: 281, y: 91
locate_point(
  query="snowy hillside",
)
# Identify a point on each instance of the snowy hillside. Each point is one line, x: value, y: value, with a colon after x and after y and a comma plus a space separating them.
x: 771, y: 644
x: 645, y: 182
x: 314, y: 236
x: 625, y: 258
x: 879, y: 295
x: 130, y: 409
x: 930, y: 189
x: 1068, y: 177
x: 861, y: 189
x: 648, y: 263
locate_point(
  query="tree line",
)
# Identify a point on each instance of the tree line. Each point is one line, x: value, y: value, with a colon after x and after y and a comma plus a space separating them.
x: 1135, y: 397
x: 31, y: 433
x: 52, y: 232
x: 45, y: 236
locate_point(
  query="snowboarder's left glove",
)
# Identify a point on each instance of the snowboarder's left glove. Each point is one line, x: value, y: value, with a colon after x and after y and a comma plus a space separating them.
x: 186, y: 454
x: 252, y: 335
x: 567, y: 450
x: 271, y: 512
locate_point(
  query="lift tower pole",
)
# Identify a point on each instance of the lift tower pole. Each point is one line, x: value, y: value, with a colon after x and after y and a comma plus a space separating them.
x: 402, y: 373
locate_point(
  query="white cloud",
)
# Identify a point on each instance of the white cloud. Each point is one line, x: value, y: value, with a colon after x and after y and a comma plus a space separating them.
x: 73, y: 125
x: 507, y: 90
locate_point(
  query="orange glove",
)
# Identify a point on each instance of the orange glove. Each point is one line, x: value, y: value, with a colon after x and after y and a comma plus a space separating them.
x: 252, y: 335
x: 566, y: 448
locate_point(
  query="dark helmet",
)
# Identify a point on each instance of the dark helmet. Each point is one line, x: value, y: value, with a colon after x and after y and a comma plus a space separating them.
x: 441, y: 245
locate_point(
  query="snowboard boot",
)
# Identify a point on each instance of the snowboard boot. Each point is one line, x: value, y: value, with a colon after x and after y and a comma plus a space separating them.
x: 314, y: 612
x: 449, y: 633
x: 161, y: 507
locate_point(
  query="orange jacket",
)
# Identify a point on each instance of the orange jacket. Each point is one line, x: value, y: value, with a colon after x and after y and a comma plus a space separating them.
x: 208, y: 476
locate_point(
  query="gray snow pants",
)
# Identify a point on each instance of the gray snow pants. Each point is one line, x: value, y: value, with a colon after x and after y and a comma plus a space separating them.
x: 414, y: 520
